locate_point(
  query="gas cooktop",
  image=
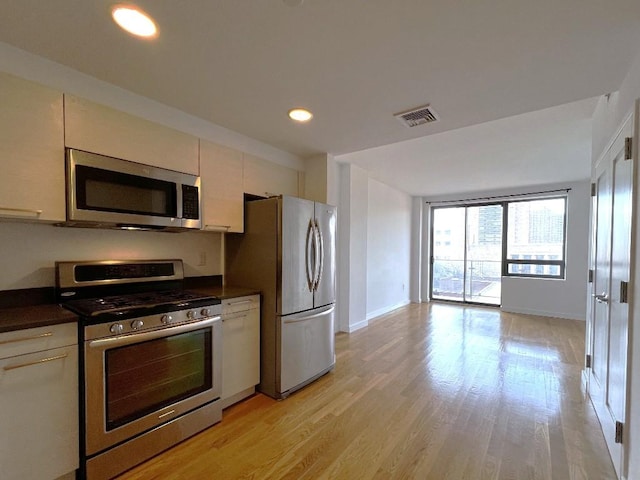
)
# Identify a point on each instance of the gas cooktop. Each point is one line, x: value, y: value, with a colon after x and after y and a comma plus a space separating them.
x: 107, y: 290
x: 164, y: 301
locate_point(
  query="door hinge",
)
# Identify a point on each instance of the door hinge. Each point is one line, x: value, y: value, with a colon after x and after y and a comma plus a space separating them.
x: 593, y: 189
x: 624, y: 292
x: 431, y: 260
x: 628, y: 148
x: 619, y: 431
x: 587, y: 361
x: 590, y: 276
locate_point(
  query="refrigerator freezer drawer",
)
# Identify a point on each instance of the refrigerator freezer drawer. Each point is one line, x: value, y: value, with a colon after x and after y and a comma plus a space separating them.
x: 307, y: 346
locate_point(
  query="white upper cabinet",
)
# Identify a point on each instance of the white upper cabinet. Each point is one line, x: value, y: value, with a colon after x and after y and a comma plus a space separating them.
x: 222, y: 191
x: 32, y: 151
x: 99, y: 129
x: 267, y: 179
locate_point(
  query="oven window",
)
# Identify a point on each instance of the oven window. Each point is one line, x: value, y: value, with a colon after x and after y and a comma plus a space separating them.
x: 108, y: 191
x: 148, y: 376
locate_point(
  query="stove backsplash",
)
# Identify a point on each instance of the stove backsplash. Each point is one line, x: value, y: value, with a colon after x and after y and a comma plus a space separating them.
x: 28, y: 251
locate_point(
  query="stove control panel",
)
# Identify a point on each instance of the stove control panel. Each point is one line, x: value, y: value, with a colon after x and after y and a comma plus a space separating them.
x: 150, y: 322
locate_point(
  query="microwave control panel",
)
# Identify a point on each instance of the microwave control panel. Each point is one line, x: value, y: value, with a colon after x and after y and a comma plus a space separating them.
x: 190, y: 203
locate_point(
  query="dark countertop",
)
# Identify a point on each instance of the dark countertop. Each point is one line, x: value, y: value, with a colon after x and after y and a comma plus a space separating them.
x: 19, y: 318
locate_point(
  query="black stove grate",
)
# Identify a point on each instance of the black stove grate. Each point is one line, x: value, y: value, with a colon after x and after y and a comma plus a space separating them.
x: 162, y: 300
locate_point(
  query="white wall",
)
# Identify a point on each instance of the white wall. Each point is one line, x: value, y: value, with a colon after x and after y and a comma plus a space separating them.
x: 558, y: 298
x: 28, y: 252
x: 352, y: 248
x: 549, y: 297
x: 388, y: 248
x: 608, y: 117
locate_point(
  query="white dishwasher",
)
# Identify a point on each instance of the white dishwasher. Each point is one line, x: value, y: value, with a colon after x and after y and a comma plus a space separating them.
x: 240, y: 348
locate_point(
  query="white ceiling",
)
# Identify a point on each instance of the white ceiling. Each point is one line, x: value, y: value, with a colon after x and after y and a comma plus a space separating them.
x: 537, y: 148
x: 242, y: 64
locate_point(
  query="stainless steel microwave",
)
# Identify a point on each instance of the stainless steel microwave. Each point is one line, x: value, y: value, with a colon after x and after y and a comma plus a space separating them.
x: 108, y: 192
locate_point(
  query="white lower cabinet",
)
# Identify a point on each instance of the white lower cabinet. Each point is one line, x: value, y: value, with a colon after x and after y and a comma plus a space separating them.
x: 39, y: 403
x: 240, y: 348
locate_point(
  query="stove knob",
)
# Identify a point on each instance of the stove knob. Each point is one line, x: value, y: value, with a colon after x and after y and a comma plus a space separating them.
x: 191, y: 314
x: 166, y: 319
x: 205, y: 312
x: 116, y: 328
x: 137, y: 324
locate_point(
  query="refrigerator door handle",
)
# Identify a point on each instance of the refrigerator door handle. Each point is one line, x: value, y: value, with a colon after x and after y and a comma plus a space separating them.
x: 301, y: 317
x: 307, y: 256
x: 319, y: 255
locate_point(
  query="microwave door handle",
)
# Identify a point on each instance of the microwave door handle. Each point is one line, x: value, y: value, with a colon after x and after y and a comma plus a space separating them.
x: 307, y: 257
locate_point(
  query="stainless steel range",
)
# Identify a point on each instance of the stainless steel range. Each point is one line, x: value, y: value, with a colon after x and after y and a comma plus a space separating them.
x: 150, y: 359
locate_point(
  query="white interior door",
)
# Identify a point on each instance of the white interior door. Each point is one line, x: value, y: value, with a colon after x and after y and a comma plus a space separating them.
x: 610, y: 310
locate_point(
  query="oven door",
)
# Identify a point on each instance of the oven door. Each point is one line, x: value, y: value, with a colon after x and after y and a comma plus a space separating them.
x: 136, y: 382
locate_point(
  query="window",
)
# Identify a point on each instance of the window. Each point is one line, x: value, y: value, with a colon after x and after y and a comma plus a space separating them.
x: 535, y: 238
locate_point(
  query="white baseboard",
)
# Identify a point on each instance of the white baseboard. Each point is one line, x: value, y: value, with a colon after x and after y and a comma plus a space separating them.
x: 542, y: 313
x: 382, y: 311
x: 357, y: 326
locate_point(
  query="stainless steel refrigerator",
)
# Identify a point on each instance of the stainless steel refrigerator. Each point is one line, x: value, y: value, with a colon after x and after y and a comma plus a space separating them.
x: 288, y: 252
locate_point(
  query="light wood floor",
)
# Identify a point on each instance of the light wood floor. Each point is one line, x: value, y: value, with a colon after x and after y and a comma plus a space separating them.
x: 427, y: 392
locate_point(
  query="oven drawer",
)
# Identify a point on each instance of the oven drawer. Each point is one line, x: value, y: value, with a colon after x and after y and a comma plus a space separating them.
x: 30, y: 340
x: 240, y: 304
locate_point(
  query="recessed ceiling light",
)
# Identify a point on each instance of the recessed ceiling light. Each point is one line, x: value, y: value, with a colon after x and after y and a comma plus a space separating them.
x: 134, y: 21
x: 300, y: 115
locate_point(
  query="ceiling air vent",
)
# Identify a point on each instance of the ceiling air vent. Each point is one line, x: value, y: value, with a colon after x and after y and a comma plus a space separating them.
x: 418, y: 116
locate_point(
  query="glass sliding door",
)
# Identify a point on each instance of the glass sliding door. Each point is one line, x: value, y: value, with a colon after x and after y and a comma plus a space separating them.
x: 483, y: 254
x: 466, y: 246
x: 448, y: 252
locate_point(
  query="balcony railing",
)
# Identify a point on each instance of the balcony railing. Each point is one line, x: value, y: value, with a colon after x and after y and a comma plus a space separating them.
x: 482, y: 283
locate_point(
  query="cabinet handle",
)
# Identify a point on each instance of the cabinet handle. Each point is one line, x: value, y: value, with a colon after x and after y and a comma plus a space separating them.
x: 232, y: 316
x: 240, y: 302
x: 217, y: 228
x: 22, y: 212
x: 24, y: 339
x: 36, y: 362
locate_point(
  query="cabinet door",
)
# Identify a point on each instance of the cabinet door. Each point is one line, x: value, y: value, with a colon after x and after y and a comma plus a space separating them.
x: 99, y: 129
x: 241, y: 350
x: 222, y: 193
x: 39, y: 414
x: 32, y: 151
x: 267, y: 179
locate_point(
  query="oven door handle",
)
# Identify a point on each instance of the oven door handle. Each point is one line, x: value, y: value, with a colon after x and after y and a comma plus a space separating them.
x: 143, y: 336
